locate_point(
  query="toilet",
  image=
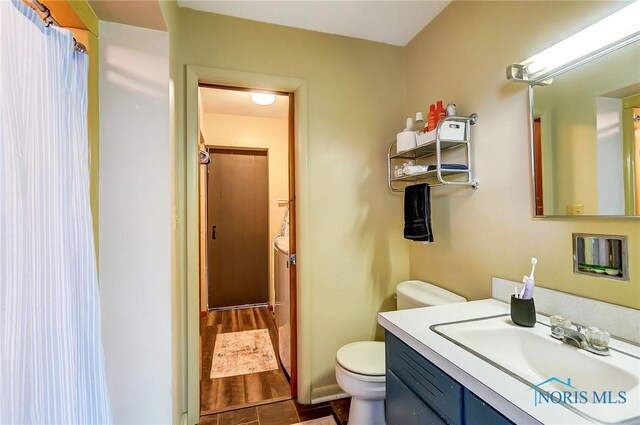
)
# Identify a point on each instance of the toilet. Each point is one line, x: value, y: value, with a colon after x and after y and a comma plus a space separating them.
x: 360, y: 366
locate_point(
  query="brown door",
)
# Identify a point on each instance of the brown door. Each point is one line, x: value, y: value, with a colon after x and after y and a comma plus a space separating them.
x: 237, y: 217
x: 537, y: 165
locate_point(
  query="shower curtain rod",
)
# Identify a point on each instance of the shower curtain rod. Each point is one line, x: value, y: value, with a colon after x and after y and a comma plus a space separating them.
x: 50, y: 20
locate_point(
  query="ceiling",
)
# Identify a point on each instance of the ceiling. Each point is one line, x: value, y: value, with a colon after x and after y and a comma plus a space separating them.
x: 235, y: 102
x: 139, y: 13
x: 391, y: 22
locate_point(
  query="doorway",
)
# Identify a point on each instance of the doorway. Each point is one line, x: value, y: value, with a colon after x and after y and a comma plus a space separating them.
x: 246, y: 199
x: 188, y: 229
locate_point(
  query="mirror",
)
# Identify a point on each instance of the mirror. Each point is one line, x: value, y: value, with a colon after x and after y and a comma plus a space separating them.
x: 586, y: 138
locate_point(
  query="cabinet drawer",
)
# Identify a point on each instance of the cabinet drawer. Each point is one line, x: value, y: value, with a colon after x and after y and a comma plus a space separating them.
x: 477, y: 412
x: 406, y: 408
x: 434, y: 387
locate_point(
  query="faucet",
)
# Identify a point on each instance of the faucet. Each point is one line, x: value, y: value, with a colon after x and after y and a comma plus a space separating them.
x: 594, y: 341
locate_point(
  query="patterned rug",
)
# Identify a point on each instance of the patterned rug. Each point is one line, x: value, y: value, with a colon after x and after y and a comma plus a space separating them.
x: 240, y: 353
x: 327, y: 420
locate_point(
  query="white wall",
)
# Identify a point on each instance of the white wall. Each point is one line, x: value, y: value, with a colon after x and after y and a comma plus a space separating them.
x: 609, y: 156
x: 135, y: 222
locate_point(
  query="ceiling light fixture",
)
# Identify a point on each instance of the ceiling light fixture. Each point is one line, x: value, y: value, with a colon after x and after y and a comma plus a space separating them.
x: 614, y: 31
x: 263, y: 99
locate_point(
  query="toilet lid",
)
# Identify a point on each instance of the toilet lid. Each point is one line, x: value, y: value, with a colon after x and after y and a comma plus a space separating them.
x: 364, y: 357
x: 426, y: 294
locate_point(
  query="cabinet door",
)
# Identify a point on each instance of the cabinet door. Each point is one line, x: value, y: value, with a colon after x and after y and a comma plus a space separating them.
x: 404, y: 407
x: 427, y: 381
x: 477, y: 412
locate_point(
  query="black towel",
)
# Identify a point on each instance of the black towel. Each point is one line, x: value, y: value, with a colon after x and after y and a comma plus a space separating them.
x: 417, y: 213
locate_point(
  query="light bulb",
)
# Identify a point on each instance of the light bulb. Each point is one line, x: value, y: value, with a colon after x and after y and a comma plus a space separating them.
x: 263, y: 99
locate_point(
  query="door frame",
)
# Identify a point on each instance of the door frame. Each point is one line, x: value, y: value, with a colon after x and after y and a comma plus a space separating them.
x: 188, y: 243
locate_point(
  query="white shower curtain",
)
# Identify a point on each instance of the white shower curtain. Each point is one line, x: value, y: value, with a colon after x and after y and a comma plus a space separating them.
x: 51, y: 358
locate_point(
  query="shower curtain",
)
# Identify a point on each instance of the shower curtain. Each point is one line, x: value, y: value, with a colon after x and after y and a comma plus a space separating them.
x: 51, y: 357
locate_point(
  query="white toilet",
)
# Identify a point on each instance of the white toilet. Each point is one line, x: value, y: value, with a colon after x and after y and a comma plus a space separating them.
x: 360, y: 366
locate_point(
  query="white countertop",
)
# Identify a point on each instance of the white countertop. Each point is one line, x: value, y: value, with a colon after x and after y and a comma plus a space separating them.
x: 503, y: 392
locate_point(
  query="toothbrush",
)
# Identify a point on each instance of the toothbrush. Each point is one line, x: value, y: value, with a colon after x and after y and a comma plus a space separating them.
x: 534, y: 261
x: 527, y: 290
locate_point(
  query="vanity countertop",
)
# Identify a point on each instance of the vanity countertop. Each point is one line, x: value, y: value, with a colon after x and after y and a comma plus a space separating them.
x: 506, y: 394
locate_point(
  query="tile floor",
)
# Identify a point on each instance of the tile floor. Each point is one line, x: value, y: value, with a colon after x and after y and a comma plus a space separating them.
x: 283, y: 413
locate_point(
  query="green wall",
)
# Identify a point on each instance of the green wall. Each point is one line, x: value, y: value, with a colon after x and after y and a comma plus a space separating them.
x: 353, y: 254
x: 357, y: 96
x: 491, y: 232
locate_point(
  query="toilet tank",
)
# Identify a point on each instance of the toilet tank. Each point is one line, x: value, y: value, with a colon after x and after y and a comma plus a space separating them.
x: 416, y: 293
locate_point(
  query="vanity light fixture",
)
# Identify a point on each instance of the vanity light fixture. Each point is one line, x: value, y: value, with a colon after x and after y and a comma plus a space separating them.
x: 614, y: 31
x: 263, y: 99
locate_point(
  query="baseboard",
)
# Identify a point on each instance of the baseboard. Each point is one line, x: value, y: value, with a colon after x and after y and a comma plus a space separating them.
x: 327, y: 393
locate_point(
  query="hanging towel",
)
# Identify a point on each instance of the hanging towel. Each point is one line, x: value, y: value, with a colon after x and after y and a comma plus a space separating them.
x: 417, y: 213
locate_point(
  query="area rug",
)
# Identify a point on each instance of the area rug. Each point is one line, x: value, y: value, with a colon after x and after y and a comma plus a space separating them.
x: 327, y: 420
x: 240, y: 353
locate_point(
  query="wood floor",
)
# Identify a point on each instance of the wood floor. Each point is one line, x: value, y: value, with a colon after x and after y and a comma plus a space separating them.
x: 224, y: 394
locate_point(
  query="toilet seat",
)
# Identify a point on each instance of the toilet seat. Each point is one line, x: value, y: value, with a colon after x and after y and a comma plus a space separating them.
x: 363, y: 358
x: 373, y: 379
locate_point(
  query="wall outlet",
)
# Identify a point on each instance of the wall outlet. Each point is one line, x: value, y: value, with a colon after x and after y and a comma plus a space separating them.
x: 575, y: 209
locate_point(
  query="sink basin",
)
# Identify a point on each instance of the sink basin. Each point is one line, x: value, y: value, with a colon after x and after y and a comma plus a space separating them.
x: 552, y: 368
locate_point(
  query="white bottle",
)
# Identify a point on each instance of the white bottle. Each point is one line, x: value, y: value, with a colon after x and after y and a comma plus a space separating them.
x: 451, y: 109
x: 409, y: 125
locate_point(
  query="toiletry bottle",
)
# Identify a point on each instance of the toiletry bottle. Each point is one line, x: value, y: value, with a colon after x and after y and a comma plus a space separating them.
x: 440, y: 112
x: 432, y: 118
x: 409, y: 125
x: 451, y: 109
x: 418, y: 127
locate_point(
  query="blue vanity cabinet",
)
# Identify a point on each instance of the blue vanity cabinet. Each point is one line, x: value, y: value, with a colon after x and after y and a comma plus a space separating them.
x: 418, y: 392
x: 477, y: 412
x: 404, y: 407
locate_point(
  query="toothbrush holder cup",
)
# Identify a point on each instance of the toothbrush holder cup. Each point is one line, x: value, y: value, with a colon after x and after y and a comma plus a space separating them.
x: 523, y: 311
